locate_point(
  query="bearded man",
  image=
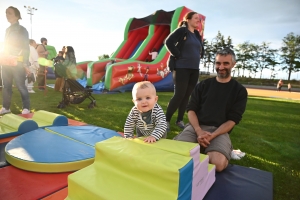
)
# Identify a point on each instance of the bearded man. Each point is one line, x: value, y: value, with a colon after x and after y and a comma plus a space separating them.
x: 215, y: 107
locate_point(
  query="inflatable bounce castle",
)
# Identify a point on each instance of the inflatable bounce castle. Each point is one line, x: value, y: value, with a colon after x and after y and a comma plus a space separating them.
x: 130, y: 66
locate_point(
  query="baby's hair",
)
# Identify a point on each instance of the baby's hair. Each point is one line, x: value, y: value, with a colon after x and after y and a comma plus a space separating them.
x: 143, y: 85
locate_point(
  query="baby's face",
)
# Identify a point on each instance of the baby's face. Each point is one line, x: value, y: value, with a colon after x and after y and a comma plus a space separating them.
x: 145, y: 99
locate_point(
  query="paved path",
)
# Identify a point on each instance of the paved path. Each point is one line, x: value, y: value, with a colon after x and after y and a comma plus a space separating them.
x: 270, y: 87
x: 265, y: 92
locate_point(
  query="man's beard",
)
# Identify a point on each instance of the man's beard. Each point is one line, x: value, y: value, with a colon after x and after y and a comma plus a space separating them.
x: 226, y: 75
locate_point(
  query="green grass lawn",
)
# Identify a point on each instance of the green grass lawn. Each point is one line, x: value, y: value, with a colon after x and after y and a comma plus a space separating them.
x: 269, y: 132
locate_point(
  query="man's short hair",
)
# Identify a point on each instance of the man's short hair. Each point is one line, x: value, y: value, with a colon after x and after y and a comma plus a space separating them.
x: 43, y: 39
x: 226, y: 51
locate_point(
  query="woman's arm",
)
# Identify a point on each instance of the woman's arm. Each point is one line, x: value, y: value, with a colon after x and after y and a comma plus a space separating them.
x: 172, y: 40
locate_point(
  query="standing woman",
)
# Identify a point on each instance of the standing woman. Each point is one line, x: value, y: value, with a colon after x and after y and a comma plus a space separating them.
x: 67, y: 68
x: 16, y: 44
x: 185, y: 45
x: 70, y: 62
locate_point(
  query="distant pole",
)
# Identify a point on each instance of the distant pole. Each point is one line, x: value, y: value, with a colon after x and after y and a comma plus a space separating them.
x: 30, y: 11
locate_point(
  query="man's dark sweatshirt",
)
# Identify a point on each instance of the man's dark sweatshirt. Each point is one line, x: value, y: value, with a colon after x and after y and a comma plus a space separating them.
x: 215, y: 103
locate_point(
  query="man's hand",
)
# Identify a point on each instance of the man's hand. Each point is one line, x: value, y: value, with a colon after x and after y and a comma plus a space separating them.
x: 204, y: 138
x: 150, y: 139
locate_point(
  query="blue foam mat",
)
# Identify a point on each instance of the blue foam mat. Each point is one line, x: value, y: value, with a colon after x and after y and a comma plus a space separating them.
x: 87, y: 134
x: 44, y: 147
x: 238, y: 182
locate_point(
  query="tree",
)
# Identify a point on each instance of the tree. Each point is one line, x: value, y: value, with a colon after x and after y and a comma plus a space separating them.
x: 244, y: 53
x: 104, y: 56
x: 291, y: 54
x: 271, y: 61
x: 262, y: 55
x: 217, y: 43
x: 208, y: 55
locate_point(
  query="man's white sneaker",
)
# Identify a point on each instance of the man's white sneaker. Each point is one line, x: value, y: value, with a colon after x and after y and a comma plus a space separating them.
x: 4, y: 111
x: 31, y: 91
x: 25, y: 111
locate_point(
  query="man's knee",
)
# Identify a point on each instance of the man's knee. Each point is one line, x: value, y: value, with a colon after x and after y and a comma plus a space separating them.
x: 218, y: 159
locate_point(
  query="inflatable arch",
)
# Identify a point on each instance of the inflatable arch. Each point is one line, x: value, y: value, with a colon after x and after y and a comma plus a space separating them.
x: 130, y: 66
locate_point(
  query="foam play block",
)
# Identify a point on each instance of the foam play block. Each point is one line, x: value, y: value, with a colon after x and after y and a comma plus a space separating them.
x: 210, y: 179
x: 71, y: 122
x: 89, y: 135
x: 182, y: 148
x: 203, y: 183
x: 12, y: 125
x: 185, y: 149
x: 44, y: 119
x: 20, y: 184
x: 43, y: 151
x: 124, y: 168
x: 59, y: 195
x: 199, y: 177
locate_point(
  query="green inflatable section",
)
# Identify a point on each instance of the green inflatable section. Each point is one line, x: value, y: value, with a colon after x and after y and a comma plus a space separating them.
x: 52, y: 52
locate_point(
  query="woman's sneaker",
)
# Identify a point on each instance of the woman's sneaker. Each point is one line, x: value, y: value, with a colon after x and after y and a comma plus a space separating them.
x: 180, y: 124
x: 4, y: 111
x: 168, y: 127
x: 25, y: 111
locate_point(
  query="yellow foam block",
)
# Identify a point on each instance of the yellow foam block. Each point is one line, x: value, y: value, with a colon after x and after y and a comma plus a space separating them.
x: 175, y: 146
x: 45, y: 118
x: 11, y: 124
x: 203, y: 157
x: 127, y: 169
x: 12, y: 121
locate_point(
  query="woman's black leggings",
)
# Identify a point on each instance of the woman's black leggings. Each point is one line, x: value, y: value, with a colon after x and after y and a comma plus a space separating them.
x: 184, y: 82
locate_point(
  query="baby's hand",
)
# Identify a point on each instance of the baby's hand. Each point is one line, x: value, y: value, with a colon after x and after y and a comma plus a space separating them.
x: 128, y: 137
x: 150, y: 139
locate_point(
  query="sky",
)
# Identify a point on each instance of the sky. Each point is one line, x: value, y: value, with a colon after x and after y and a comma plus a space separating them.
x: 95, y: 28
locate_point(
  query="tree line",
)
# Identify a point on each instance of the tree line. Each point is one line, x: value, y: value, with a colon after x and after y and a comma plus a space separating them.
x: 255, y: 58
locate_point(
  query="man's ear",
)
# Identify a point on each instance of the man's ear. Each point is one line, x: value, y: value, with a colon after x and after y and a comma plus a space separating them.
x: 233, y: 64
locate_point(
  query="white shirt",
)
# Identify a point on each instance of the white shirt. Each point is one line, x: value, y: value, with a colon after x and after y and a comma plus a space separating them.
x: 33, y: 59
x: 153, y: 54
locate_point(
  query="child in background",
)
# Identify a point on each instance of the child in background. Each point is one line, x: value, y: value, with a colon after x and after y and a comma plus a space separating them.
x: 289, y: 87
x: 33, y: 66
x: 153, y: 54
x: 146, y: 116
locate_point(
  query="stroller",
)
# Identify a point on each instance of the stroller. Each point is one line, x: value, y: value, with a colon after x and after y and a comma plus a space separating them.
x: 73, y: 92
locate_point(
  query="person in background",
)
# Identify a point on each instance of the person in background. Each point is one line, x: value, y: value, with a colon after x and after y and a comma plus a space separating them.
x: 153, y: 54
x: 187, y: 60
x: 16, y: 44
x: 33, y: 66
x: 43, y: 53
x: 215, y: 107
x: 109, y: 63
x: 70, y: 63
x: 289, y: 87
x: 147, y: 117
x: 59, y: 81
x: 279, y: 85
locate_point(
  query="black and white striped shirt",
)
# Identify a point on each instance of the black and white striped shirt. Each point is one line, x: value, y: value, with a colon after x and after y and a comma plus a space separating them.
x: 156, y: 128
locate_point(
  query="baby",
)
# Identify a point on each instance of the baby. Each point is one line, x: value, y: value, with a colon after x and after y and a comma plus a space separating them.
x: 146, y: 115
